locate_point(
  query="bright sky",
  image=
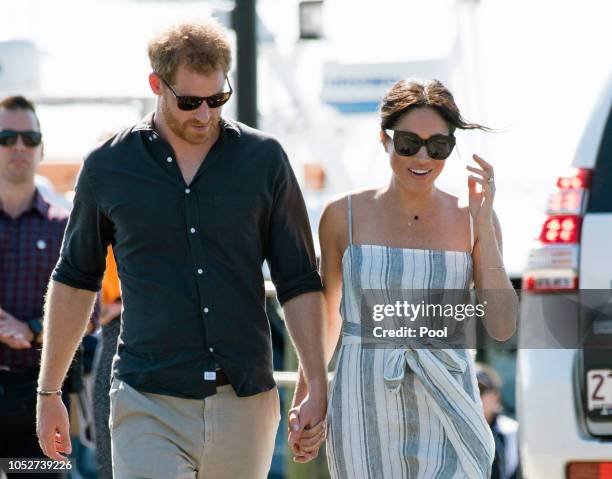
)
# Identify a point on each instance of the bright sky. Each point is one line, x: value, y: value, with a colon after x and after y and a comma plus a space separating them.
x: 539, y: 66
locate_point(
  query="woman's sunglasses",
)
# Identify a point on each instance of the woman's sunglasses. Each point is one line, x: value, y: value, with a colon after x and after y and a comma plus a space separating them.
x: 406, y: 143
x: 188, y: 103
x: 30, y: 138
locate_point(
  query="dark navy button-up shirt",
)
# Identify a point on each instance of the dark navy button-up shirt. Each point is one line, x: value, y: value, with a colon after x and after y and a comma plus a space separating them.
x: 190, y: 257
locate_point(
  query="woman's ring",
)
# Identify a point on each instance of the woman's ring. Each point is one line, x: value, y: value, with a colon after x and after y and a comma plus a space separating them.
x: 490, y: 180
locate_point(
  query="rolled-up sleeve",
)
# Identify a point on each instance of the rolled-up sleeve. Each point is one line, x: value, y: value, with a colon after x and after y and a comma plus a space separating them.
x: 83, y: 256
x: 291, y: 256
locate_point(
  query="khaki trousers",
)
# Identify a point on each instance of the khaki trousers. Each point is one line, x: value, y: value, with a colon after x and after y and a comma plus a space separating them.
x: 154, y: 436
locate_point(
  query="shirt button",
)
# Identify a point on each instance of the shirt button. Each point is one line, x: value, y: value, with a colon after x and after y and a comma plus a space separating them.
x: 169, y: 159
x: 187, y: 191
x: 200, y: 271
x: 206, y: 310
x: 192, y: 230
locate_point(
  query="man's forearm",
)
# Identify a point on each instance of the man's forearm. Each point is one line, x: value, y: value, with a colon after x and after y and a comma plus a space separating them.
x: 334, y: 326
x: 67, y: 312
x: 305, y: 318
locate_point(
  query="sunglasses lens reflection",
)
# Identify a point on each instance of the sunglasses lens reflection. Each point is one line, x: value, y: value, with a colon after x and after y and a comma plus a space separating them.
x: 216, y: 101
x: 188, y: 103
x: 31, y: 138
x: 8, y: 140
x: 406, y: 145
x: 439, y: 149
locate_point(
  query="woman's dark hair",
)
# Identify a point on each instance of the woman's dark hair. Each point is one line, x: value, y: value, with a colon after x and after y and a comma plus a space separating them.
x: 406, y: 95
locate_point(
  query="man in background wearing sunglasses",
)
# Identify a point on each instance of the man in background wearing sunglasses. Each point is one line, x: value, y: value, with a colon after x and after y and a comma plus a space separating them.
x: 31, y: 232
x: 192, y: 204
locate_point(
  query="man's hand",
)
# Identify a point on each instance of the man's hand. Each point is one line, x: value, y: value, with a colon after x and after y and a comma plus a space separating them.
x: 108, y: 312
x: 308, y: 444
x: 15, y: 341
x: 307, y: 426
x: 67, y: 311
x: 52, y: 427
x: 14, y: 333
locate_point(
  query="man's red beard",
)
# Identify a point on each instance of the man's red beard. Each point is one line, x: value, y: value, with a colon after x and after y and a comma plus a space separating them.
x: 183, y: 130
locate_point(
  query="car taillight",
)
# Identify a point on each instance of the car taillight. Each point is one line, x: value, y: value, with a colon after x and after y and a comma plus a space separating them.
x: 579, y: 179
x: 553, y: 262
x: 589, y: 470
x: 561, y: 229
x: 565, y: 202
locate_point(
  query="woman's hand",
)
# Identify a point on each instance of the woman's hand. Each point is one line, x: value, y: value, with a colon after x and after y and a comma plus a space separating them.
x: 306, y: 425
x: 307, y: 446
x: 481, y: 202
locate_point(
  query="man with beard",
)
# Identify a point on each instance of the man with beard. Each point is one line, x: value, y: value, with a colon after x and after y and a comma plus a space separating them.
x: 192, y: 204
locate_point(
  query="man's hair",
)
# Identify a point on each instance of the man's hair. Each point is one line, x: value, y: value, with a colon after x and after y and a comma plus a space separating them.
x: 18, y: 102
x: 202, y: 47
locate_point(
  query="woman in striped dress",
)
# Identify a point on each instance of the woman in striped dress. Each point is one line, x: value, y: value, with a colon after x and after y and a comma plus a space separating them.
x: 402, y: 412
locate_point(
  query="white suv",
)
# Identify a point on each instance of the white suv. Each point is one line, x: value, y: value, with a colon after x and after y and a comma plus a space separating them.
x: 564, y: 396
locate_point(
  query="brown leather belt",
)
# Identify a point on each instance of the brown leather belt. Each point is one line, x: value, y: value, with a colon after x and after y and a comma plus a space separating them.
x: 221, y: 378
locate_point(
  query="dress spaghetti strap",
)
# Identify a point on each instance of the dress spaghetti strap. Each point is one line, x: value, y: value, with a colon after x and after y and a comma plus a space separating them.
x: 350, y: 219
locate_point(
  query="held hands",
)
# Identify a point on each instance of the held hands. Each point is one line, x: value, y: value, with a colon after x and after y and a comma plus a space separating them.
x: 307, y: 427
x: 481, y: 202
x: 14, y: 333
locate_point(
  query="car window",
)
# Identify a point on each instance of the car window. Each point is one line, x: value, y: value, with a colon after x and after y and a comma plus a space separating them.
x: 600, y: 200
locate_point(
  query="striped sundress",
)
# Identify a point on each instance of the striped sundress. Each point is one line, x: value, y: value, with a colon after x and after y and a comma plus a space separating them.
x: 404, y: 412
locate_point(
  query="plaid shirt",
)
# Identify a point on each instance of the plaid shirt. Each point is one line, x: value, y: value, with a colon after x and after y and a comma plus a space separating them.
x: 29, y: 249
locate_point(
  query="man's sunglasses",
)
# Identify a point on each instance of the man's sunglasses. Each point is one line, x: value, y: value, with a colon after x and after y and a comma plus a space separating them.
x: 406, y: 143
x: 30, y: 138
x: 188, y: 103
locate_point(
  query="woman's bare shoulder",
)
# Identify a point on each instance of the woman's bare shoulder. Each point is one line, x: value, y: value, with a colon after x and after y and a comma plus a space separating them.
x: 338, y: 205
x: 335, y: 217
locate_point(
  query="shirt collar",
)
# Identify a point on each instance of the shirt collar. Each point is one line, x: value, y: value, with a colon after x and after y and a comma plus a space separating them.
x: 230, y: 125
x: 147, y: 124
x: 38, y: 204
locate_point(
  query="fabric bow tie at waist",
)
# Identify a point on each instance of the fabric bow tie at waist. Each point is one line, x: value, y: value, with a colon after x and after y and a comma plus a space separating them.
x: 462, y: 417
